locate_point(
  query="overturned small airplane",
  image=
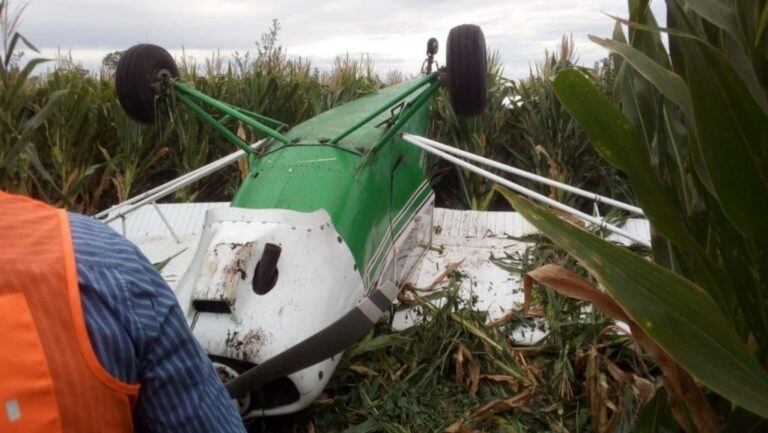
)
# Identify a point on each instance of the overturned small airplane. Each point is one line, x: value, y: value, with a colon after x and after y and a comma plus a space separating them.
x: 334, y: 217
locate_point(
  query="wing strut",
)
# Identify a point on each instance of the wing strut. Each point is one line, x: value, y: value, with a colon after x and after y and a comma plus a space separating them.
x: 444, y: 151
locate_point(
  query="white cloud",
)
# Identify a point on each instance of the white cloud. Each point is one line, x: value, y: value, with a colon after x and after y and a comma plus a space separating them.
x: 394, y: 32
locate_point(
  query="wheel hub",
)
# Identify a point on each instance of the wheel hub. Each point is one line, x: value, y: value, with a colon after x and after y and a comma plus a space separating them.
x: 227, y: 373
x: 162, y: 82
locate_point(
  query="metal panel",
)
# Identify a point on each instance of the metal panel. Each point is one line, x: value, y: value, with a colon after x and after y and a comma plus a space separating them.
x: 185, y: 218
x: 473, y: 237
x: 317, y: 283
x: 454, y: 225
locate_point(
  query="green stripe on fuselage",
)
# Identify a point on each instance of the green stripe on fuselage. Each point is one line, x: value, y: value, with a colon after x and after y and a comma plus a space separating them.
x: 363, y: 194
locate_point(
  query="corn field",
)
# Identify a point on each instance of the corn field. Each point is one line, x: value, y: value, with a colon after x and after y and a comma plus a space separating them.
x: 65, y: 139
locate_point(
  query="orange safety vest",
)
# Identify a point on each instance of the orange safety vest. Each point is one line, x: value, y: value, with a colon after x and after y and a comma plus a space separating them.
x: 50, y: 378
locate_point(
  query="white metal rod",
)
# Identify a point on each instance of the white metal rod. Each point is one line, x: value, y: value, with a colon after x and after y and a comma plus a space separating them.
x: 522, y: 173
x: 170, y: 189
x: 173, y: 185
x: 525, y: 191
x: 152, y: 191
x: 215, y: 165
x: 165, y: 221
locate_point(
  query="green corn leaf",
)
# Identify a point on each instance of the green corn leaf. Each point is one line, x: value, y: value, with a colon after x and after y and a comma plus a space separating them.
x: 370, y: 343
x: 78, y: 185
x: 653, y: 28
x: 667, y: 82
x: 762, y: 26
x: 571, y: 85
x: 38, y: 119
x: 618, y: 37
x: 370, y: 425
x: 680, y: 316
x: 11, y: 48
x: 159, y: 266
x: 732, y: 137
x: 726, y: 17
x: 717, y: 13
x: 28, y: 127
x: 634, y: 94
x: 742, y: 421
x: 617, y: 141
x: 21, y: 78
x: 31, y: 153
x: 655, y: 416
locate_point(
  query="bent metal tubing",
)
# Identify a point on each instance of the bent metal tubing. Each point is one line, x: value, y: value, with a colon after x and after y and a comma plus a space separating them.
x: 407, y: 113
x: 401, y: 119
x: 184, y: 90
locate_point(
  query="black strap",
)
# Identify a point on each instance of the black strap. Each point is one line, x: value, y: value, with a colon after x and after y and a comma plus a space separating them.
x: 326, y: 343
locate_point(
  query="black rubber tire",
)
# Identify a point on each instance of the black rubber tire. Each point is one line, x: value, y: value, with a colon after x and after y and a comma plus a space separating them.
x: 137, y: 70
x: 467, y: 70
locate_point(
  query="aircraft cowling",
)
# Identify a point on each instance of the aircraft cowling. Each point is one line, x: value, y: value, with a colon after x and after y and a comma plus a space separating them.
x: 316, y: 282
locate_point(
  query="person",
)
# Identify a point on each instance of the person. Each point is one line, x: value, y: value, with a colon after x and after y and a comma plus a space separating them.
x: 93, y: 338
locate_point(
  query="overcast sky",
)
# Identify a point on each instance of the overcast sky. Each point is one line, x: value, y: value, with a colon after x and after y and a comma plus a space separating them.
x: 393, y: 32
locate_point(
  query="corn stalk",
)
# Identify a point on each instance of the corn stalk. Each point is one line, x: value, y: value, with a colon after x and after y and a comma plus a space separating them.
x: 690, y: 131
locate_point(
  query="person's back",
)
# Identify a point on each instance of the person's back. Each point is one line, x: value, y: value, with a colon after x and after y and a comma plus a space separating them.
x: 94, y: 340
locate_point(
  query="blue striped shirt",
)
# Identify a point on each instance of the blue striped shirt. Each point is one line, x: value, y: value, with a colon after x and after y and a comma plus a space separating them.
x: 140, y: 335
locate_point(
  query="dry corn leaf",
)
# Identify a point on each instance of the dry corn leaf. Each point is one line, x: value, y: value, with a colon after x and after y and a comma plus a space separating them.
x: 403, y: 297
x: 459, y: 427
x: 396, y: 375
x: 525, y: 311
x: 683, y: 390
x: 467, y: 369
x: 596, y: 391
x: 449, y: 269
x: 361, y: 369
x: 324, y: 398
x: 455, y: 426
x: 486, y: 410
x: 497, y: 406
x: 240, y: 131
x: 242, y: 163
x: 510, y: 381
x: 643, y: 388
x: 572, y: 285
x: 554, y: 171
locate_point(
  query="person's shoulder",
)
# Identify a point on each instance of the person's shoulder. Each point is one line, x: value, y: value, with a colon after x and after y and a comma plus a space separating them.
x: 112, y: 267
x: 97, y: 244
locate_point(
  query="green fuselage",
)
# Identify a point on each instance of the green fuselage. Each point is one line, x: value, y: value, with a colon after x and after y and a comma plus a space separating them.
x: 370, y: 191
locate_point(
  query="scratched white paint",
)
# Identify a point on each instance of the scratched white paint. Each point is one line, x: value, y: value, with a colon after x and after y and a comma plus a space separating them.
x: 317, y: 283
x: 473, y: 237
